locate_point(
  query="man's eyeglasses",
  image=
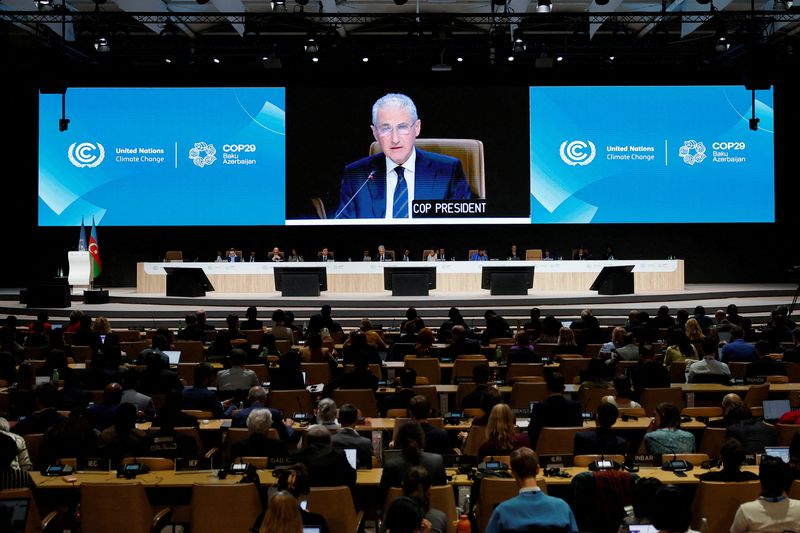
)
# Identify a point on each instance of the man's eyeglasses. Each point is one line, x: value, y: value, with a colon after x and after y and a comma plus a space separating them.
x: 401, y: 129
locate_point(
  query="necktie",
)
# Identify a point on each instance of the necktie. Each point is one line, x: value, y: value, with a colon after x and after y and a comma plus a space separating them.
x: 400, y: 206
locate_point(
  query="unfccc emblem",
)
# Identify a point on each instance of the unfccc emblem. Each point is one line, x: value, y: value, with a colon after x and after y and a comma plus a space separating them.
x: 86, y: 155
x: 577, y: 152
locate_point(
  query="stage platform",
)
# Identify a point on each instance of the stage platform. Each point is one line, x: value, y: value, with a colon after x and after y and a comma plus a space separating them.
x: 129, y: 308
x: 451, y: 276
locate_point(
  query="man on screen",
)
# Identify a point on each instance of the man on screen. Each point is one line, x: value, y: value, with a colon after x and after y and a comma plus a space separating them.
x: 385, y: 184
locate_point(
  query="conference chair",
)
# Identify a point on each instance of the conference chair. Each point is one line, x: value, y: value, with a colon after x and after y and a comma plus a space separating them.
x: 711, y: 441
x: 119, y: 506
x: 517, y: 370
x: 718, y: 503
x: 786, y: 433
x: 738, y: 369
x: 533, y: 254
x: 794, y: 491
x: 441, y: 497
x: 590, y: 397
x: 397, y: 414
x: 776, y: 379
x: 545, y: 349
x: 756, y: 395
x: 375, y: 368
x: 592, y: 350
x: 34, y: 522
x: 631, y: 411
x: 572, y: 368
x: 462, y: 368
x: 209, y: 517
x: 652, y: 397
x: 584, y: 461
x: 317, y: 373
x: 793, y: 372
x: 335, y: 504
x: 330, y: 255
x: 556, y: 441
x: 677, y: 372
x: 194, y: 433
x: 261, y: 463
x: 462, y: 390
x: 468, y: 151
x: 522, y: 394
x: 81, y: 353
x: 186, y: 372
x: 283, y: 345
x: 262, y: 372
x: 127, y: 335
x: 363, y: 399
x: 425, y: 366
x: 133, y: 349
x: 173, y: 256
x: 270, y: 255
x: 32, y: 442
x: 694, y: 412
x: 475, y: 438
x: 290, y: 401
x: 471, y: 252
x: 398, y: 351
x: 191, y: 351
x: 473, y: 412
x: 495, y: 491
x: 35, y: 352
x: 429, y: 391
x: 253, y: 336
x: 623, y: 367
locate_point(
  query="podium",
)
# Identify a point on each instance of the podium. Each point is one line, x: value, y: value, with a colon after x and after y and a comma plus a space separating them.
x: 614, y: 280
x: 187, y: 282
x: 409, y: 281
x: 507, y: 280
x: 300, y: 281
x: 80, y: 270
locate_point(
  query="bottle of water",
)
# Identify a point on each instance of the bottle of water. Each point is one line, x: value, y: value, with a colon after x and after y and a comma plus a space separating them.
x: 56, y: 377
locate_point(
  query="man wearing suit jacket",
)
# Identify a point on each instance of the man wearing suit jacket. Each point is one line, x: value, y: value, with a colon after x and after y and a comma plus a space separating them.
x: 555, y: 411
x: 327, y: 467
x: 385, y: 184
x: 348, y: 438
x: 602, y: 439
x: 233, y: 257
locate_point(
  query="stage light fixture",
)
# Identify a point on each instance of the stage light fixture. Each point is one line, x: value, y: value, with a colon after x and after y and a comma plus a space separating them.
x: 167, y: 61
x: 498, y: 2
x: 202, y: 2
x: 365, y: 59
x: 722, y: 44
x: 559, y: 58
x: 510, y: 59
x: 63, y: 124
x: 460, y: 59
x: 703, y: 2
x: 302, y: 2
x: 315, y: 59
x: 519, y: 46
x: 101, y: 45
x: 279, y: 5
x: 216, y: 61
x: 311, y: 46
x: 544, y: 6
x: 400, y: 2
x: 601, y: 2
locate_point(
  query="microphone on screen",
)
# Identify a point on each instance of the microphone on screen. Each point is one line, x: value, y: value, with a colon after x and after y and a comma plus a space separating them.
x: 370, y: 177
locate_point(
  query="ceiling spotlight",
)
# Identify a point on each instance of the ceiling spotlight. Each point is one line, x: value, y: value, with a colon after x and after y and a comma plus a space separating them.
x: 216, y: 61
x: 167, y: 60
x: 559, y: 58
x: 315, y: 59
x: 544, y: 6
x: 43, y: 5
x: 510, y: 59
x: 101, y: 45
x: 519, y: 46
x: 460, y: 59
x: 722, y: 44
x: 703, y: 2
x: 311, y: 46
x: 365, y: 59
x: 279, y: 5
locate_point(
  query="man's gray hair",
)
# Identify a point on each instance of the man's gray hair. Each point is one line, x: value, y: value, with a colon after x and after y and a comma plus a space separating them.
x: 259, y: 421
x: 394, y: 100
x: 257, y: 394
x: 327, y: 411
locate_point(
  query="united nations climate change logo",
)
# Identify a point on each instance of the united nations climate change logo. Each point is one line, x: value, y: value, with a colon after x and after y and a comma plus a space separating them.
x: 86, y: 155
x: 692, y: 152
x: 575, y: 152
x: 202, y: 154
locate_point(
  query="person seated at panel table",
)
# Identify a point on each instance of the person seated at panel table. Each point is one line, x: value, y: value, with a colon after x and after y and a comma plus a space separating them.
x: 431, y: 256
x: 732, y: 457
x: 649, y: 373
x: 327, y: 466
x: 773, y: 511
x: 275, y: 255
x: 424, y: 345
x: 609, y: 254
x: 252, y: 258
x: 480, y: 255
x: 382, y: 256
x: 295, y: 257
x: 523, y: 350
x: 411, y: 442
x: 385, y: 185
x: 289, y: 376
x: 602, y: 440
x: 441, y: 255
x: 232, y: 256
x: 122, y: 439
x: 324, y: 256
x: 502, y: 436
x: 366, y: 256
x: 406, y: 256
x: 547, y: 255
x: 513, y: 255
x: 566, y: 343
x: 220, y: 258
x: 666, y: 435
x: 347, y: 437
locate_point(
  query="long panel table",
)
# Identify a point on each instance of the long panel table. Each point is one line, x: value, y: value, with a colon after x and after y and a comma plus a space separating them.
x: 451, y: 276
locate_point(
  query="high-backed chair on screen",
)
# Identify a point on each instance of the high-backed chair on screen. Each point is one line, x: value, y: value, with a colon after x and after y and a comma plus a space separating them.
x: 533, y: 254
x: 173, y: 256
x: 468, y: 151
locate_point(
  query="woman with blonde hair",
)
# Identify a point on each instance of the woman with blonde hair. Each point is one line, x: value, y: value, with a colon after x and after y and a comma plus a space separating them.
x: 693, y: 330
x: 566, y: 343
x: 502, y: 436
x: 283, y: 515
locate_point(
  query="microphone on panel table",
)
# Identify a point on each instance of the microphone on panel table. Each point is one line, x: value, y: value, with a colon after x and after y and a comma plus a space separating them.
x: 370, y: 177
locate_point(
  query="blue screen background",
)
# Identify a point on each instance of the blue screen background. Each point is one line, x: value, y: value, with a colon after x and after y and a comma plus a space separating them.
x: 175, y: 191
x: 664, y: 189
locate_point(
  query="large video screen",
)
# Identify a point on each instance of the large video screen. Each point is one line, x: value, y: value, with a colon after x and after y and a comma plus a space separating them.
x: 163, y: 157
x: 405, y: 156
x: 650, y: 154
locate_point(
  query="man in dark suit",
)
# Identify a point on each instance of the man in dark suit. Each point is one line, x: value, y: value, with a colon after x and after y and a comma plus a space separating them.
x: 555, y: 411
x: 648, y: 373
x: 233, y: 257
x: 258, y: 443
x: 401, y: 398
x: 461, y: 345
x: 435, y: 438
x: 752, y: 432
x: 200, y: 396
x: 385, y: 184
x: 382, y: 256
x: 347, y: 437
x: 764, y: 365
x: 361, y: 377
x: 474, y: 400
x: 792, y: 355
x: 326, y: 466
x: 601, y: 440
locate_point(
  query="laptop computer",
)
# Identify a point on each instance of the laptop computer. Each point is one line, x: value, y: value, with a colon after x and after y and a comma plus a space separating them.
x: 174, y: 356
x: 388, y: 455
x: 781, y: 452
x: 14, y: 515
x: 774, y: 409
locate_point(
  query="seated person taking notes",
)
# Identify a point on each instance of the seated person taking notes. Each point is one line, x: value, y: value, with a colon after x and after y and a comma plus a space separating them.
x: 385, y: 184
